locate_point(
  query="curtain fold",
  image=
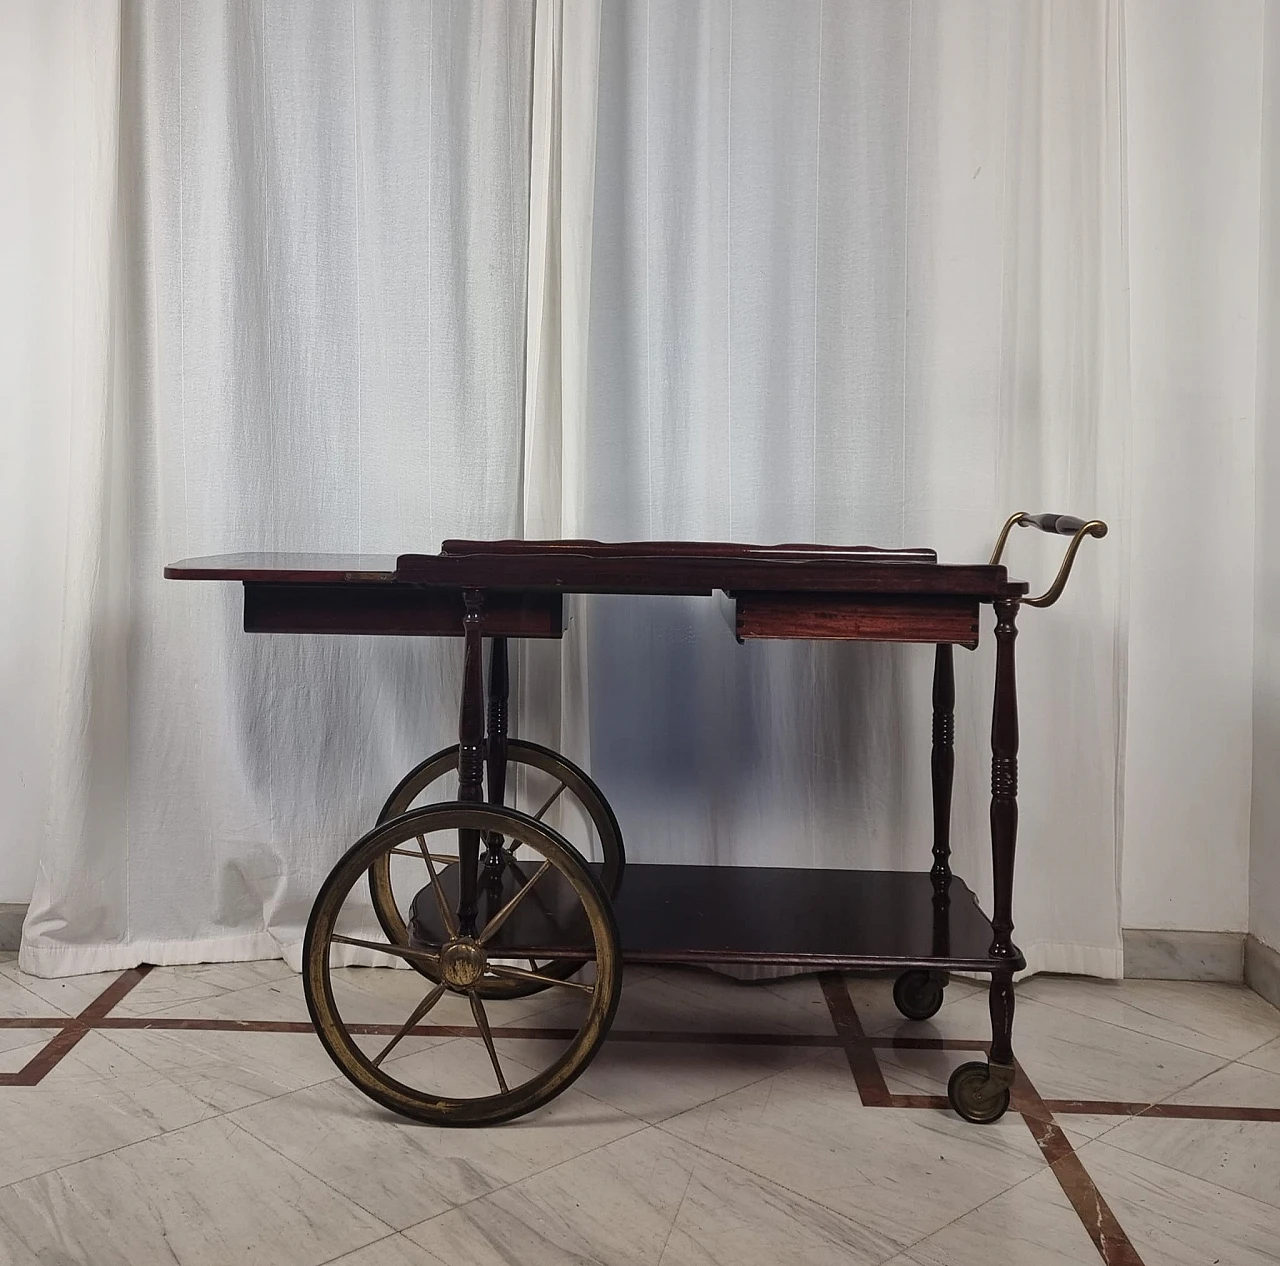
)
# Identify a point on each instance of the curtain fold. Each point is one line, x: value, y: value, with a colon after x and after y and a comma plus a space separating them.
x: 858, y: 275
x: 363, y: 277
x: 315, y: 283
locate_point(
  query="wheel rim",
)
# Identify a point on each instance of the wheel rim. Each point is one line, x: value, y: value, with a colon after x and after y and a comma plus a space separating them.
x: 395, y: 1060
x: 562, y: 777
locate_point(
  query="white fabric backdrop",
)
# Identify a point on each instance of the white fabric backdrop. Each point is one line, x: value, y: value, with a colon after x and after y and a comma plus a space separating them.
x: 851, y: 272
x: 320, y: 259
x: 858, y: 276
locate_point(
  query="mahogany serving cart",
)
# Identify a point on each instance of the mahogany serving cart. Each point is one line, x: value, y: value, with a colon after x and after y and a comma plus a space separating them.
x: 505, y: 906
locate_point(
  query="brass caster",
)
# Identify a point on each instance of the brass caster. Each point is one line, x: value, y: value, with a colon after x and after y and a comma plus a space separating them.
x: 918, y: 994
x: 979, y: 1092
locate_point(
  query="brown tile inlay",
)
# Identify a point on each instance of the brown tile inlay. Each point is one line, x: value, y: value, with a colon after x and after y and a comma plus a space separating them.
x: 1109, y: 1238
x: 1114, y: 1247
x: 863, y: 1064
x: 40, y: 1065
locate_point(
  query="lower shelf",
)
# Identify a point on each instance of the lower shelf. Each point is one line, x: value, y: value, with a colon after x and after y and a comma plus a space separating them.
x: 803, y: 918
x: 745, y: 914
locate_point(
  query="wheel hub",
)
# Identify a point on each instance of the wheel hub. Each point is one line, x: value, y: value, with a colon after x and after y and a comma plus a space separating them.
x: 462, y: 962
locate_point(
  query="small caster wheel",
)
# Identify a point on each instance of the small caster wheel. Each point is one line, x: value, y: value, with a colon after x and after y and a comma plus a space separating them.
x: 978, y: 1093
x: 918, y: 994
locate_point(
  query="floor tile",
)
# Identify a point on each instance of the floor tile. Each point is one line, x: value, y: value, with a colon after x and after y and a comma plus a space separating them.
x: 15, y: 1058
x: 395, y: 1250
x: 1226, y: 1020
x: 1174, y: 1219
x: 656, y: 1080
x: 1032, y: 1224
x: 1242, y: 1156
x: 230, y: 1070
x: 1081, y: 1127
x: 207, y: 1195
x: 65, y: 995
x: 1236, y: 1085
x: 402, y: 1171
x: 1067, y: 1055
x: 97, y: 1099
x: 647, y: 1199
x: 807, y: 1131
x: 164, y: 987
x: 1267, y: 1057
x: 702, y: 1002
x: 17, y: 1001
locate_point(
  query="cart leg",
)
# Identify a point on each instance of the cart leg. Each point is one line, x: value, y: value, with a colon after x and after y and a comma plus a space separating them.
x: 496, y: 753
x: 980, y: 1092
x: 470, y: 757
x: 942, y: 767
x: 943, y: 763
x: 1004, y: 830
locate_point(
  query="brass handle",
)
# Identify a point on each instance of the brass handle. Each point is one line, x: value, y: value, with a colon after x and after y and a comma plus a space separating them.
x: 1064, y: 525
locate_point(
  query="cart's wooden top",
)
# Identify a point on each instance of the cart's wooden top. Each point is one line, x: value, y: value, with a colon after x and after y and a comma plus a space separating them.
x: 652, y: 567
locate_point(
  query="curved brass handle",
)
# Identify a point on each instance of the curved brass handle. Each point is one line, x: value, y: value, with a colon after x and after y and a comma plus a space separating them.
x: 1064, y: 525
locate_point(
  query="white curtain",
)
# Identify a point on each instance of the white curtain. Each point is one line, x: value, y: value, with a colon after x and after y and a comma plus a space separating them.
x: 363, y: 277
x: 309, y: 256
x: 858, y: 276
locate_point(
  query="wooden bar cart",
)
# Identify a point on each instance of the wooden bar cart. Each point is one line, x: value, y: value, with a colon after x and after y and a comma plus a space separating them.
x: 492, y: 906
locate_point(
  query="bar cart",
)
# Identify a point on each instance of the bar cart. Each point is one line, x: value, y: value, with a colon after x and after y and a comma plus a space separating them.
x: 493, y: 907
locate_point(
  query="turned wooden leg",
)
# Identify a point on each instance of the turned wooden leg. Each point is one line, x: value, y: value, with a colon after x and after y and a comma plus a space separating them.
x: 943, y: 763
x: 496, y: 745
x: 1004, y: 827
x: 470, y: 757
x: 496, y: 759
x: 1000, y: 1000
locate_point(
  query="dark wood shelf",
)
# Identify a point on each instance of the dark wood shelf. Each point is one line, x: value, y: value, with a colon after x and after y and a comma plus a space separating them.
x: 803, y: 918
x: 749, y: 914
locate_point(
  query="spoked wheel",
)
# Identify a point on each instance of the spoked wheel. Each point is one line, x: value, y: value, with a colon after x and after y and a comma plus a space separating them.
x: 548, y: 784
x: 979, y: 1092
x: 547, y: 906
x: 918, y: 994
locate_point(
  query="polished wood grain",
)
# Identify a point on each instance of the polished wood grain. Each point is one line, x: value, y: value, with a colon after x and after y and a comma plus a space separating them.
x: 745, y: 914
x: 1004, y: 831
x: 628, y: 567
x: 753, y: 570
x: 854, y: 617
x: 687, y: 549
x: 286, y: 568
x: 942, y: 761
x: 471, y: 754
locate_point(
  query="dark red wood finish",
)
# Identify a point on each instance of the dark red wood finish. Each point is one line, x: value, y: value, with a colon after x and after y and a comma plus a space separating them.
x: 745, y: 914
x: 857, y: 617
x: 942, y: 762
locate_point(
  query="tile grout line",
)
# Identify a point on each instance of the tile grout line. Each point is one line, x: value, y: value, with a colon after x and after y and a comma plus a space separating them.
x: 1109, y: 1238
x: 1182, y: 1173
x: 1099, y: 1221
x: 1124, y: 1028
x: 75, y: 1029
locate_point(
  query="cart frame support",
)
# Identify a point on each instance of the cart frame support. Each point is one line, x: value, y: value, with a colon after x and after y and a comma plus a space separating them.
x: 1004, y: 827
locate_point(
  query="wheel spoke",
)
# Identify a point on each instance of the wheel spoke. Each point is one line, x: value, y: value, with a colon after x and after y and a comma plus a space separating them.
x: 418, y: 1012
x: 505, y: 913
x: 396, y: 951
x: 482, y: 1023
x: 450, y: 923
x: 551, y: 799
x: 435, y: 857
x: 519, y: 973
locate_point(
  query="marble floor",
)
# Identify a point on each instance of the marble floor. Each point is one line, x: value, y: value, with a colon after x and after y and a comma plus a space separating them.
x: 189, y: 1115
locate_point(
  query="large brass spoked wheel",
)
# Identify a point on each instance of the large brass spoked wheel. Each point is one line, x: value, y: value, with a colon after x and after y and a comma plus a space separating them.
x: 436, y: 1045
x: 547, y: 783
